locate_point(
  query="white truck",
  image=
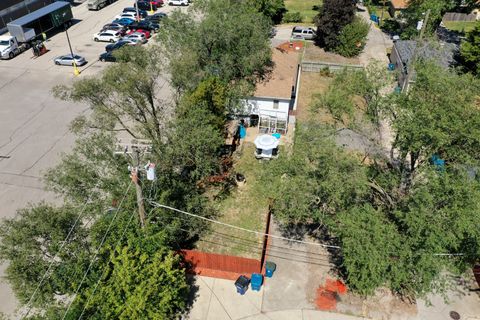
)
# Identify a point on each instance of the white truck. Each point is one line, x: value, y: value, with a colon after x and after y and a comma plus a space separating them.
x: 10, y: 47
x: 98, y: 4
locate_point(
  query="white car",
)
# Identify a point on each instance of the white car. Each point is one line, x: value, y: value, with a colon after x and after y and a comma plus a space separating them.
x: 178, y: 2
x: 107, y: 36
x: 128, y: 15
x: 136, y: 37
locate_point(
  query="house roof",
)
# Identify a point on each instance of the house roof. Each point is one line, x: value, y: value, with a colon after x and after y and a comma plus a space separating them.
x: 442, y: 53
x: 279, y: 84
x: 399, y: 4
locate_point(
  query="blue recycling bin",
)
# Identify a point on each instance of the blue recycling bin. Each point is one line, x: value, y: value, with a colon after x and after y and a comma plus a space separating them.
x: 242, y: 284
x: 270, y: 268
x: 257, y: 281
x: 374, y: 18
x: 391, y: 66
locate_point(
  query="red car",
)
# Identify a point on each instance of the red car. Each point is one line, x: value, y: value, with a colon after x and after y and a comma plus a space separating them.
x: 145, y: 32
x: 157, y: 3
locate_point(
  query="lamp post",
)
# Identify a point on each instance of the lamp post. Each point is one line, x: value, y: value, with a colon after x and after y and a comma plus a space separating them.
x: 75, y: 69
x: 151, y: 8
x: 136, y: 9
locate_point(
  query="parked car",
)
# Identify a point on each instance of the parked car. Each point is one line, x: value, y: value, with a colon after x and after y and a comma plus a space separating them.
x: 119, y: 44
x: 156, y: 17
x: 114, y: 27
x: 304, y: 32
x: 144, y: 5
x: 157, y: 3
x: 67, y: 60
x: 145, y: 32
x: 142, y: 13
x: 107, y: 36
x: 178, y: 2
x: 128, y: 15
x: 137, y: 37
x: 145, y: 25
x: 124, y: 21
x: 107, y: 56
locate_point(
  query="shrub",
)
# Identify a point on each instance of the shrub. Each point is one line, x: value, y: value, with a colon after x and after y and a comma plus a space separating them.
x: 292, y: 17
x: 352, y: 38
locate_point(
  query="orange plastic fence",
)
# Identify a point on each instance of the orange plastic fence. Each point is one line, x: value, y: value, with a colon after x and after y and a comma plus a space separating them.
x: 219, y: 266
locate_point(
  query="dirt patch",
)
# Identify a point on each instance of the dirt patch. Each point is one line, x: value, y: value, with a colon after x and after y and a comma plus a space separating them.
x: 293, y: 46
x: 311, y: 85
x: 314, y: 53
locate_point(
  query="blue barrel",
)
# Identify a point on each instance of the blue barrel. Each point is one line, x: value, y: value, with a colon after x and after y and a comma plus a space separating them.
x: 242, y: 284
x: 257, y: 281
x: 270, y: 267
x: 391, y: 66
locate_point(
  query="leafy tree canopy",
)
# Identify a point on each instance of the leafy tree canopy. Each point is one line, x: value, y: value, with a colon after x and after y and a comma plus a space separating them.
x: 470, y: 50
x: 333, y: 16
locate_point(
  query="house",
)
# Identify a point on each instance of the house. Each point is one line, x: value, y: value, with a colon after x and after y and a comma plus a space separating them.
x: 397, y: 6
x: 274, y: 98
x: 403, y: 51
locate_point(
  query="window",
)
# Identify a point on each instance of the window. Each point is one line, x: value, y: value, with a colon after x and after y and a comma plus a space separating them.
x: 275, y: 104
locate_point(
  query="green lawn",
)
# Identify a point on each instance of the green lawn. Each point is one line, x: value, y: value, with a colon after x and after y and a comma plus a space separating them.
x: 245, y: 207
x: 462, y: 26
x: 305, y: 7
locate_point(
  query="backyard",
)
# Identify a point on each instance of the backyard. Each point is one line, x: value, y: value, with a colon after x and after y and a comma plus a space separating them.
x: 305, y: 7
x: 460, y: 26
x: 243, y: 207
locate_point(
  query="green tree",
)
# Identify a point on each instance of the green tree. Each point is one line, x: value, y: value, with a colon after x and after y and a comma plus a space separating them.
x: 438, y: 115
x: 136, y: 285
x: 30, y: 243
x: 273, y: 9
x: 231, y: 43
x: 333, y: 16
x: 470, y: 50
x: 352, y: 38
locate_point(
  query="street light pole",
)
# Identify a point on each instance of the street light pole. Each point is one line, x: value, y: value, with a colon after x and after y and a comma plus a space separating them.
x: 136, y: 9
x: 75, y: 69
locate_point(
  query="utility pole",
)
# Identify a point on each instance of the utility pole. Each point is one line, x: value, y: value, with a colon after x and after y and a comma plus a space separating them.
x: 423, y: 26
x: 136, y: 8
x: 135, y: 150
x: 381, y: 16
x: 137, y: 179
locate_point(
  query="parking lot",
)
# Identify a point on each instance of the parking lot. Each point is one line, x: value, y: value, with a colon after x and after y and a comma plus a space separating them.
x: 33, y: 124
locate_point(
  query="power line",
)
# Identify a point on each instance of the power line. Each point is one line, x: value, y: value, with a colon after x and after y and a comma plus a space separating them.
x: 98, y: 249
x: 244, y: 229
x: 44, y: 277
x: 118, y: 243
x: 279, y: 237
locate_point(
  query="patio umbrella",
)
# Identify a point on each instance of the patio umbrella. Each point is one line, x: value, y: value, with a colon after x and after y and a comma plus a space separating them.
x: 266, y: 142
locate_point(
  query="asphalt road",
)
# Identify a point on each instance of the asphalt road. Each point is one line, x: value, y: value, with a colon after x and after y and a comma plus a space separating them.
x: 33, y: 124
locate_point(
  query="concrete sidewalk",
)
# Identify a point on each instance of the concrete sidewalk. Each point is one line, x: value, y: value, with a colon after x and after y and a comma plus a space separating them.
x: 217, y: 299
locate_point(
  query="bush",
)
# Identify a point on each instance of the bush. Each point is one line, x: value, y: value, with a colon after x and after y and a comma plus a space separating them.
x: 292, y: 17
x: 352, y: 38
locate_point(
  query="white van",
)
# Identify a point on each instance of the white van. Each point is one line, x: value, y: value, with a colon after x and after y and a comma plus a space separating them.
x: 303, y: 33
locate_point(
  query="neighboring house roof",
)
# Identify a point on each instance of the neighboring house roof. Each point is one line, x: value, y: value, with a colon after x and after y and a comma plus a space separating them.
x: 283, y: 76
x: 399, y: 4
x: 442, y: 53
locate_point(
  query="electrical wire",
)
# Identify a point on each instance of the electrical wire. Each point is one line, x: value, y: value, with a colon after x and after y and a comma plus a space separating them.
x: 244, y: 229
x: 118, y: 243
x: 44, y: 277
x: 98, y: 249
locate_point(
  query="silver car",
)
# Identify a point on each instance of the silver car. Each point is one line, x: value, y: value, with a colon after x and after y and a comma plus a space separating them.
x: 67, y: 60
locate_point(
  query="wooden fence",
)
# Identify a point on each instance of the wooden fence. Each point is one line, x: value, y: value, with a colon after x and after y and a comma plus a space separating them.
x: 319, y: 66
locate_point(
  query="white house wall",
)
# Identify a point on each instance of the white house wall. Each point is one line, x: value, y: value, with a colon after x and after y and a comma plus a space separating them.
x: 264, y: 107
